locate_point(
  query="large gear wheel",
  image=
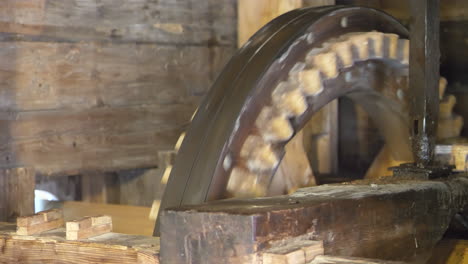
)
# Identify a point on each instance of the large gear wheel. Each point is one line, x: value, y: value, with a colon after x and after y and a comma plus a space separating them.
x: 284, y: 74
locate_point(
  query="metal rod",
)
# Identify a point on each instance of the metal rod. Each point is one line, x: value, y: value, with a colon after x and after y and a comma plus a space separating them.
x: 424, y: 78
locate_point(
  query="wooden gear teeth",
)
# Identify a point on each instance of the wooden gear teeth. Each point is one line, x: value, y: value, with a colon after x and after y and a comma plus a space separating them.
x: 361, y: 45
x: 274, y: 127
x: 250, y: 176
x: 289, y: 100
x: 392, y: 46
x: 377, y: 40
x: 305, y: 80
x: 259, y: 156
x: 244, y: 183
x: 403, y: 51
x: 344, y: 53
x: 310, y: 82
x: 327, y: 63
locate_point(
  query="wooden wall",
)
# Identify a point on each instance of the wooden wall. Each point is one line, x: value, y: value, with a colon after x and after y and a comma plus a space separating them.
x: 105, y: 84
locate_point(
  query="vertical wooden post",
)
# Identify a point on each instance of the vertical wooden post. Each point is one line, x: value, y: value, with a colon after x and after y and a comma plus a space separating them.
x: 16, y: 193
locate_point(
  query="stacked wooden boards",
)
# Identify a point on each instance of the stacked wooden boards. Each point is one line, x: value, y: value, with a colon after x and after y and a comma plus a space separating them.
x: 104, y: 85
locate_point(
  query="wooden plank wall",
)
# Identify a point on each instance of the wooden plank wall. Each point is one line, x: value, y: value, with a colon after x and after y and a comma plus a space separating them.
x: 104, y: 84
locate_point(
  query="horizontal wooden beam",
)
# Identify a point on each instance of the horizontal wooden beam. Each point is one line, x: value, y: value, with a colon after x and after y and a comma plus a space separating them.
x: 54, y: 76
x: 161, y: 22
x: 101, y: 139
x: 392, y: 219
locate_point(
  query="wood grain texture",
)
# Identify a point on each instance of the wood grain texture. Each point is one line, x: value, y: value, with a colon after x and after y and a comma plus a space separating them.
x: 40, y: 222
x: 104, y: 85
x: 17, y: 193
x: 51, y: 247
x: 52, y: 76
x: 88, y: 227
x: 393, y: 220
x: 70, y: 142
x: 164, y: 22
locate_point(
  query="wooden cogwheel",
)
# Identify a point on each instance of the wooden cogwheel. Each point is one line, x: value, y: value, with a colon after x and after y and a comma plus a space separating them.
x: 269, y: 90
x: 261, y: 152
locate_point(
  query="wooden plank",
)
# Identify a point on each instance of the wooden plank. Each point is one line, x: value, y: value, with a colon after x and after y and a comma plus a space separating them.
x: 52, y: 247
x: 366, y: 219
x: 46, y: 76
x: 17, y: 192
x: 88, y: 227
x: 39, y: 218
x: 96, y: 139
x: 163, y: 22
x: 40, y: 222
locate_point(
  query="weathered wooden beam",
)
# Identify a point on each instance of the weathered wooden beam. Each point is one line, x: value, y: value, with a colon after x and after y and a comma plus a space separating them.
x: 40, y: 222
x: 119, y: 102
x: 16, y: 192
x: 162, y: 22
x: 363, y: 219
x: 52, y: 247
x: 89, y: 75
x: 91, y: 140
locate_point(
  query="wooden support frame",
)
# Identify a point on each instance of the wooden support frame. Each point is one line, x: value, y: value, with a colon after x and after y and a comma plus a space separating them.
x: 362, y: 219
